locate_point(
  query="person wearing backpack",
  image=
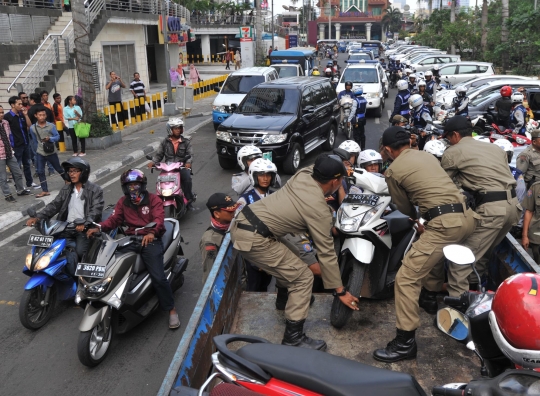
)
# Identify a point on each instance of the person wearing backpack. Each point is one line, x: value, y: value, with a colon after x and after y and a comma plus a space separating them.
x: 47, y: 136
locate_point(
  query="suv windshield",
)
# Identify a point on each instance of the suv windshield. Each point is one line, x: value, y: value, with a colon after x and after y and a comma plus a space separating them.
x: 357, y: 56
x: 241, y: 84
x: 361, y: 75
x: 286, y: 71
x: 270, y: 101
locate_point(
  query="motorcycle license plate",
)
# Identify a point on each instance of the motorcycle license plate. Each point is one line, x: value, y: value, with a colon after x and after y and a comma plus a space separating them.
x: 40, y: 241
x: 168, y: 178
x: 497, y: 136
x: 362, y: 199
x: 90, y: 270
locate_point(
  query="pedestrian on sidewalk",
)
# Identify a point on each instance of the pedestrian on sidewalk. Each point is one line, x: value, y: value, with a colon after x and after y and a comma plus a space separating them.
x: 58, y: 112
x: 7, y: 159
x: 25, y: 100
x: 194, y: 76
x: 72, y: 115
x: 44, y: 97
x: 18, y: 121
x: 35, y: 103
x: 47, y: 136
x: 138, y: 90
x: 175, y: 77
x: 227, y: 59
x: 237, y: 60
x: 181, y: 75
x: 114, y: 86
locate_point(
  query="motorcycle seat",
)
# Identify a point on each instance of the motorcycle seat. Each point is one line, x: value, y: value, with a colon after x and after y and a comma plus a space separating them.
x: 327, y: 374
x: 168, y: 236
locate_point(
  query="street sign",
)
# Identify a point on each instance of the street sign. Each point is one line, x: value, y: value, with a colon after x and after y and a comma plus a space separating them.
x: 293, y: 40
x: 246, y: 32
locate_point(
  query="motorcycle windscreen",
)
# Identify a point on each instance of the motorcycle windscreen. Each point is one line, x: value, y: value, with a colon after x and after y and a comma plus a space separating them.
x: 372, y: 182
x: 100, y: 252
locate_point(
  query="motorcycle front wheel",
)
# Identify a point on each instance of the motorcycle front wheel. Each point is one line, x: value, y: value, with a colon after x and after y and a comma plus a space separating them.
x: 352, y: 278
x: 36, y: 308
x: 93, y: 345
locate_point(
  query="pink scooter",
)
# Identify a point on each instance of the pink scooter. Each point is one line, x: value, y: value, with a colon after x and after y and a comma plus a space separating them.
x: 169, y: 189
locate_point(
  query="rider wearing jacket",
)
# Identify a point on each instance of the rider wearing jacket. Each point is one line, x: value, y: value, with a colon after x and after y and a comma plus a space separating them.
x: 358, y: 117
x: 431, y: 85
x: 175, y: 148
x: 347, y: 91
x: 420, y: 117
x: 412, y: 83
x: 135, y: 209
x: 401, y: 104
x: 504, y: 106
x: 519, y: 113
x: 461, y: 102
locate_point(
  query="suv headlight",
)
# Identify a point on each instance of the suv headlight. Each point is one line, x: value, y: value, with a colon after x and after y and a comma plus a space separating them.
x: 273, y: 139
x: 372, y: 95
x: 225, y: 136
x: 219, y: 109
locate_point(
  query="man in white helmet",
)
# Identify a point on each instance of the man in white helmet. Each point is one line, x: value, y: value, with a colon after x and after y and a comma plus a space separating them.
x: 406, y: 73
x: 519, y: 113
x: 371, y: 161
x: 435, y: 147
x: 401, y: 104
x: 431, y: 85
x: 240, y: 181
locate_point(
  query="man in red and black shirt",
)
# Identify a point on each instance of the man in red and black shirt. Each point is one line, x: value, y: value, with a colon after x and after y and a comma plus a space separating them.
x: 136, y: 209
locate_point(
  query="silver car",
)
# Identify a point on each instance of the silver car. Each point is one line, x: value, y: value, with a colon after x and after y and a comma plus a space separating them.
x: 428, y: 61
x: 474, y: 82
x: 454, y: 73
x: 490, y: 87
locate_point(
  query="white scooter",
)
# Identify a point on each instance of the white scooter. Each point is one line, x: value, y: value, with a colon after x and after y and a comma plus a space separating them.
x: 376, y: 240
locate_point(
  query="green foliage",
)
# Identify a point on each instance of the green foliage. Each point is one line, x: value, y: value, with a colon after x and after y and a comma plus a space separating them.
x: 100, y: 125
x: 392, y: 19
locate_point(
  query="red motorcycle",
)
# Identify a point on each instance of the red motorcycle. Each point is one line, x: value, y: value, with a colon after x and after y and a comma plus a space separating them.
x: 501, y: 132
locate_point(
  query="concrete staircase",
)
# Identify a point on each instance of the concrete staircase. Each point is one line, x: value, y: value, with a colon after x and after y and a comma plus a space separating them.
x: 48, y: 78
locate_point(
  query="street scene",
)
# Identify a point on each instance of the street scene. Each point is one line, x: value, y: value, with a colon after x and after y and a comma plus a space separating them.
x: 342, y: 205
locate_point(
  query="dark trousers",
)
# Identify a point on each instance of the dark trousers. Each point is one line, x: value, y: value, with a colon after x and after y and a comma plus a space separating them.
x: 53, y: 161
x: 257, y: 280
x: 74, y: 138
x: 24, y: 157
x: 228, y: 65
x: 79, y: 247
x: 152, y: 256
x: 119, y: 115
x: 359, y: 135
x: 186, y: 182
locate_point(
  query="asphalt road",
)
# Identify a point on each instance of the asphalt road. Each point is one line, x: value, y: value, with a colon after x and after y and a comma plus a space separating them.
x: 45, y: 362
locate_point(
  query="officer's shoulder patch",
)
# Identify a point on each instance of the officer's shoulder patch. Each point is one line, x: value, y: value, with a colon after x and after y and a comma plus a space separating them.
x: 211, y: 250
x: 529, y: 193
x: 388, y: 172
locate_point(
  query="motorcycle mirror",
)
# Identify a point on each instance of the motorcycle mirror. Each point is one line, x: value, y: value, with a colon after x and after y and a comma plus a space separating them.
x: 454, y: 324
x: 458, y: 254
x: 149, y: 157
x: 470, y: 346
x: 491, y: 107
x: 31, y: 212
x: 151, y: 225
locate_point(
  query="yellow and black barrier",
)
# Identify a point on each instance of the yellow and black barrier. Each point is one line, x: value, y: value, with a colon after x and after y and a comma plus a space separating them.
x: 61, y: 143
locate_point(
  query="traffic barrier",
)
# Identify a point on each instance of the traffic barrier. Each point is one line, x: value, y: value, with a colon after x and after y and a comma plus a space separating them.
x: 149, y: 102
x: 154, y: 105
x: 125, y: 106
x: 132, y: 113
x: 60, y: 129
x: 141, y: 108
x: 119, y: 112
x: 160, y: 110
x: 112, y: 111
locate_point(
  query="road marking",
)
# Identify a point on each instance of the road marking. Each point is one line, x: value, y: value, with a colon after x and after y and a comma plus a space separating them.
x: 377, y: 120
x: 389, y: 113
x: 4, y: 302
x: 14, y: 236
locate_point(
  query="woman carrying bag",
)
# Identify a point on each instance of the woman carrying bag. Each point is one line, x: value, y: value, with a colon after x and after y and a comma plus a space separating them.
x: 72, y: 115
x: 193, y: 74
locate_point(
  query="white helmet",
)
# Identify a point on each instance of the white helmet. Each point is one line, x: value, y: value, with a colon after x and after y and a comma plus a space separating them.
x: 174, y: 122
x: 407, y: 70
x: 506, y: 146
x: 328, y: 70
x: 261, y: 166
x: 369, y: 157
x: 412, y: 75
x: 352, y: 148
x: 481, y: 138
x: 435, y: 147
x: 428, y: 74
x: 460, y: 91
x: 247, y: 153
x: 517, y: 97
x: 415, y: 101
x: 402, y: 85
x: 421, y: 82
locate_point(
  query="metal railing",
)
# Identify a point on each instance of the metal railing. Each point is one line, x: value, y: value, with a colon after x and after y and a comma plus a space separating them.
x: 51, y: 4
x: 93, y: 8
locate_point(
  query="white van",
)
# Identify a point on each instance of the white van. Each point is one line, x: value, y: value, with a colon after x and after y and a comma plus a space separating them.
x: 235, y: 88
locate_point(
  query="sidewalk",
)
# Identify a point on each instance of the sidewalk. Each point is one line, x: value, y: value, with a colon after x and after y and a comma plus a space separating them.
x: 137, y: 142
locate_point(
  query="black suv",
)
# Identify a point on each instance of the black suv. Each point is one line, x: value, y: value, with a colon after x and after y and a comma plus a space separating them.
x: 288, y: 117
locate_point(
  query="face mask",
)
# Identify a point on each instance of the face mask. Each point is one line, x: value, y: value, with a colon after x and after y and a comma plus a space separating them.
x: 135, y: 193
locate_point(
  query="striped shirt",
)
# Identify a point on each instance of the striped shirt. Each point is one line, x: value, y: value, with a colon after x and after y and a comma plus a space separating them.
x: 137, y: 87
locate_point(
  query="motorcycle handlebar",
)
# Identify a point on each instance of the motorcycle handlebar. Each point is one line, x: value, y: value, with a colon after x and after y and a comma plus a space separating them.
x: 453, y: 301
x: 441, y: 391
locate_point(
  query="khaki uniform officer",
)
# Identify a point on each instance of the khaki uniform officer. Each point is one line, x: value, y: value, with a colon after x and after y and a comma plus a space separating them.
x: 529, y: 160
x: 298, y: 207
x: 482, y: 171
x: 531, y: 221
x: 415, y: 178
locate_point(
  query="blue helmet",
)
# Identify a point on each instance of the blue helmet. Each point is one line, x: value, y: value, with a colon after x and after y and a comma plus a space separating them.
x: 358, y: 91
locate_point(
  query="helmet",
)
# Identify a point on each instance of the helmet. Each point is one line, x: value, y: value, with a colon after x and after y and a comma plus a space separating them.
x: 130, y: 176
x: 436, y: 67
x: 506, y: 91
x: 421, y: 83
x: 174, y: 122
x: 402, y: 85
x: 460, y: 91
x: 412, y: 75
x: 515, y: 319
x: 334, y: 61
x: 369, y: 157
x: 348, y: 83
x: 330, y: 64
x: 78, y: 163
x: 416, y: 101
x: 316, y: 73
x: 398, y: 60
x: 407, y: 70
x: 247, y: 153
x: 517, y: 97
x: 481, y: 138
x: 328, y: 70
x: 506, y: 146
x: 428, y: 74
x: 359, y: 91
x: 435, y: 147
x: 351, y: 147
x: 315, y: 67
x: 260, y: 166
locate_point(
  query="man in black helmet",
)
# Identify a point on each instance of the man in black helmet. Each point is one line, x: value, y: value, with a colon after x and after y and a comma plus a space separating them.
x: 79, y: 199
x: 298, y: 207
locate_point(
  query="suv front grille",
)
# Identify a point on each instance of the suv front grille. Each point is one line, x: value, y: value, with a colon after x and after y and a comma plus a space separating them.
x: 247, y: 138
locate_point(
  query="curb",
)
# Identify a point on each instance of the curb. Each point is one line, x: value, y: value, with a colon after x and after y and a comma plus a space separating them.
x: 14, y: 216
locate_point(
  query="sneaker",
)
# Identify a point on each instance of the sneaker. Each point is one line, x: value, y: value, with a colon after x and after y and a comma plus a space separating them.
x: 10, y: 198
x: 82, y: 154
x: 74, y: 154
x: 174, y: 321
x: 24, y: 192
x: 35, y: 186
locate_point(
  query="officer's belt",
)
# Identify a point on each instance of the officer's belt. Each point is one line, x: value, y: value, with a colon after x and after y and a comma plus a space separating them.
x: 492, y: 196
x: 443, y: 209
x: 256, y: 224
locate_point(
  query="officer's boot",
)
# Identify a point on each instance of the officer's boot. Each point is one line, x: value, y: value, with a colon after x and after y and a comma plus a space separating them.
x: 283, y: 297
x: 428, y: 301
x: 400, y: 348
x: 294, y: 336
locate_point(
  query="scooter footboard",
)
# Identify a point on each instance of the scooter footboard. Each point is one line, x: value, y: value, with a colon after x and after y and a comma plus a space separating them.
x: 93, y: 316
x: 362, y: 249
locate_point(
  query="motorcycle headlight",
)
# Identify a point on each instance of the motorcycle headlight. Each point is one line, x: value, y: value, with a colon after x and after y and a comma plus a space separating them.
x: 520, y: 140
x: 273, y: 139
x: 44, y: 261
x: 348, y: 224
x: 225, y: 136
x: 370, y: 213
x: 167, y: 192
x: 99, y: 287
x: 219, y: 109
x: 28, y: 262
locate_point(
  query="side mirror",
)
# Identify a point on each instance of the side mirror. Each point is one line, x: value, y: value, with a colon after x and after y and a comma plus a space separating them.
x: 234, y: 106
x: 308, y: 109
x: 217, y: 89
x: 149, y: 157
x: 31, y: 212
x: 454, y: 324
x: 462, y: 255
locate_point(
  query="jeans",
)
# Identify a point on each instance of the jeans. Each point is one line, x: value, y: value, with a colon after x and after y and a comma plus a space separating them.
x: 15, y: 171
x: 51, y: 159
x: 74, y: 138
x: 152, y: 256
x: 359, y: 135
x: 80, y: 245
x: 24, y: 156
x: 186, y: 182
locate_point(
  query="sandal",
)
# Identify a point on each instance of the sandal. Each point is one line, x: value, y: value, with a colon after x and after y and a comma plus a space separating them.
x: 42, y: 194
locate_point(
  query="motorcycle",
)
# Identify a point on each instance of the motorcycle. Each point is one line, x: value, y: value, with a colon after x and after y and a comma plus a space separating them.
x: 118, y: 290
x: 346, y: 104
x: 169, y: 188
x: 375, y: 242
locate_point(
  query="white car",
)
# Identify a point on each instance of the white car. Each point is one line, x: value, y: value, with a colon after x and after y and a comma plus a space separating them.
x: 428, y: 61
x: 372, y: 78
x: 454, y: 73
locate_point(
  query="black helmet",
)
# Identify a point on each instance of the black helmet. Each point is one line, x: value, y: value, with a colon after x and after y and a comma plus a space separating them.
x: 131, y: 176
x: 348, y: 83
x: 79, y: 163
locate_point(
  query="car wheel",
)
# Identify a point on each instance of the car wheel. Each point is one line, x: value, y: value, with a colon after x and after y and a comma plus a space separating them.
x: 292, y: 161
x: 331, y: 140
x: 227, y: 163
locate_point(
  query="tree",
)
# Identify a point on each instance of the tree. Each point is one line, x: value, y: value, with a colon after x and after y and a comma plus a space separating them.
x: 504, y: 30
x: 484, y: 26
x: 392, y: 19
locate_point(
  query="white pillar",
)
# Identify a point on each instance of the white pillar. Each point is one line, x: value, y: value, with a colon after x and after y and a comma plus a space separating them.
x: 338, y: 30
x: 205, y: 46
x: 383, y: 34
x: 368, y: 31
x: 321, y: 31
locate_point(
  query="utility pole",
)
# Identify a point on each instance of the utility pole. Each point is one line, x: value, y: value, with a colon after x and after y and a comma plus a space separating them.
x: 259, y: 53
x: 164, y: 13
x: 272, y: 24
x: 83, y: 59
